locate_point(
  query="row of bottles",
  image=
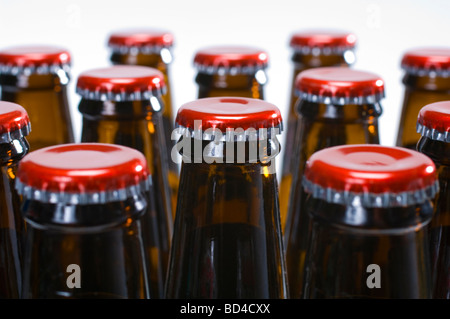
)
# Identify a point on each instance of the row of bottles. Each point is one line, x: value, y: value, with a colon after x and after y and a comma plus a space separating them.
x: 115, y: 216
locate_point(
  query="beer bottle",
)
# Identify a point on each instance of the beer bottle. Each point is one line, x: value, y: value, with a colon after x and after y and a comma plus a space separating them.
x: 14, y: 127
x: 36, y: 77
x: 238, y: 71
x: 311, y: 49
x: 227, y: 238
x: 153, y: 48
x: 426, y: 80
x: 122, y: 105
x: 336, y: 106
x: 433, y: 125
x: 83, y: 205
x: 369, y: 207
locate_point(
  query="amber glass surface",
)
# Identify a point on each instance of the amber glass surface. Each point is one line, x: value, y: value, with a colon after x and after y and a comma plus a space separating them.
x: 239, y: 85
x: 135, y: 125
x: 227, y: 237
x: 340, y: 250
x: 301, y: 62
x: 155, y: 61
x: 439, y: 152
x: 103, y: 240
x: 419, y: 91
x: 45, y: 99
x: 12, y: 225
x: 320, y: 126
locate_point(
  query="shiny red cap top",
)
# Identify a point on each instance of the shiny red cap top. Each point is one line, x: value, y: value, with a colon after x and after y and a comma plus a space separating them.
x: 141, y: 38
x: 240, y: 59
x: 121, y: 83
x: 323, y: 39
x: 83, y: 168
x: 370, y: 168
x: 34, y: 56
x: 426, y: 60
x: 433, y: 121
x: 228, y: 112
x: 339, y: 85
x: 13, y: 117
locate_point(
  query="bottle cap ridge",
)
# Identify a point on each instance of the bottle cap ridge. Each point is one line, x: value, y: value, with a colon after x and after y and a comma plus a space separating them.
x: 121, y: 83
x: 423, y: 61
x: 230, y: 59
x: 101, y: 172
x: 433, y: 121
x: 339, y: 85
x: 14, y: 122
x: 375, y: 175
x: 141, y: 39
x: 326, y: 41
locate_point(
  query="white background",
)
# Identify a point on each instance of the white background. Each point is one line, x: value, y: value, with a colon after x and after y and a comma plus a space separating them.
x: 384, y: 28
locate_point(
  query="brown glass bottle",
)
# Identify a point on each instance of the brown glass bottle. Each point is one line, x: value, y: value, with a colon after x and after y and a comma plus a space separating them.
x: 36, y: 77
x: 153, y: 48
x: 122, y: 105
x: 311, y: 49
x: 370, y: 206
x: 14, y: 127
x: 227, y: 238
x: 336, y: 106
x: 231, y: 71
x: 426, y: 80
x: 83, y: 204
x: 433, y: 125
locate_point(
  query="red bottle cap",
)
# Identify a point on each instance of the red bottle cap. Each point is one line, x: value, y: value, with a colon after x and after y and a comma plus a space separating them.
x: 144, y: 40
x: 34, y: 59
x: 433, y: 121
x: 339, y: 85
x: 121, y: 83
x: 424, y: 61
x: 319, y: 42
x: 230, y: 60
x: 14, y: 122
x: 228, y: 113
x: 374, y: 175
x: 99, y: 172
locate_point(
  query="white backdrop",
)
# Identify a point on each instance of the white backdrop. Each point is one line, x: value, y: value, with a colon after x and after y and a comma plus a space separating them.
x: 385, y: 29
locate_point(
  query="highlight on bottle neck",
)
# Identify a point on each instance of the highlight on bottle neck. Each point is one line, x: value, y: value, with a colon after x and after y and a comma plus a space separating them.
x: 27, y: 60
x: 427, y: 61
x: 370, y: 176
x: 82, y: 174
x: 323, y: 42
x: 433, y: 121
x: 339, y: 85
x: 121, y: 83
x: 223, y: 123
x: 145, y: 41
x: 14, y: 122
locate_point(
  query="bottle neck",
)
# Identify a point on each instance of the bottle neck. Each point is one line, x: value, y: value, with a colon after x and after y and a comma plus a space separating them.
x: 13, y: 152
x: 426, y: 83
x: 307, y: 61
x: 83, y: 218
x: 242, y: 85
x: 438, y: 151
x: 53, y: 82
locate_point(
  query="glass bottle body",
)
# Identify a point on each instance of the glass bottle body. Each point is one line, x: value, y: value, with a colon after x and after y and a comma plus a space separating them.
x: 320, y: 126
x: 156, y: 61
x: 227, y: 237
x: 439, y: 227
x: 301, y: 62
x: 135, y: 125
x: 12, y: 225
x: 44, y: 96
x: 359, y: 252
x: 95, y: 251
x: 419, y: 91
